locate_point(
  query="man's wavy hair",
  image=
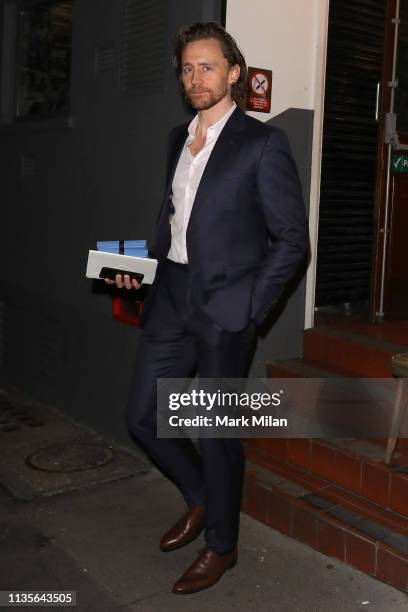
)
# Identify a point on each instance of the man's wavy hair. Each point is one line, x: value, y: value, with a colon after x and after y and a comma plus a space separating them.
x: 232, y: 53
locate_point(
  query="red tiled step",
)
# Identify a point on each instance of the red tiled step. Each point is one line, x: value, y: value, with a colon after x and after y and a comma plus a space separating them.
x: 355, y: 465
x: 391, y: 331
x: 330, y: 520
x: 349, y: 353
x: 297, y: 368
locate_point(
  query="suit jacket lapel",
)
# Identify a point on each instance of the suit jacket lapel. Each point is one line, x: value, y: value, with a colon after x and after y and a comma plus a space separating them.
x: 176, y: 142
x: 175, y: 150
x: 221, y: 154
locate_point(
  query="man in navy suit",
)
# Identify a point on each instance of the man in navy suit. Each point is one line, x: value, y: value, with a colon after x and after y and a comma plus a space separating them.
x: 231, y: 232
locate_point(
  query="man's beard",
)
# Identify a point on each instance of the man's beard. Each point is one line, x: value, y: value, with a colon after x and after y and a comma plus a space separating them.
x: 206, y: 101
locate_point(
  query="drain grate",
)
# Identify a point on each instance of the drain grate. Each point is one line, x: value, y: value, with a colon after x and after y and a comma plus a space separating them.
x: 67, y: 458
x: 60, y: 456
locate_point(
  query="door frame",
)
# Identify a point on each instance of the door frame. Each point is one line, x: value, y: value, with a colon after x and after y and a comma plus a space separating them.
x: 322, y: 27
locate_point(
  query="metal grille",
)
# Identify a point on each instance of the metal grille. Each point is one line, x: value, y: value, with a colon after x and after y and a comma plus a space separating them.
x: 144, y: 46
x: 105, y: 57
x: 27, y: 165
x: 350, y: 134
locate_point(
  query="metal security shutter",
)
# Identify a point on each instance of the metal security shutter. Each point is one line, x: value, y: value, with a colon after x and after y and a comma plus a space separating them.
x: 144, y: 46
x: 350, y: 133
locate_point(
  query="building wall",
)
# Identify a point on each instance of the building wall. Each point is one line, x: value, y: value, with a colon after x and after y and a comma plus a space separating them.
x: 101, y: 178
x: 289, y: 38
x: 284, y: 37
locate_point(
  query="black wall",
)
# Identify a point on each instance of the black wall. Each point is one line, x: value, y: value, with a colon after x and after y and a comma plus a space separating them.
x: 98, y: 175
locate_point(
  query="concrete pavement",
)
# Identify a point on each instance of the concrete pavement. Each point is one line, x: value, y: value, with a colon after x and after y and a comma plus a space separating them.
x: 102, y: 541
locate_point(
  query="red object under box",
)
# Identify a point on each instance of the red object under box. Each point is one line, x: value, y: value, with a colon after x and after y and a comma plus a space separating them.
x: 127, y: 309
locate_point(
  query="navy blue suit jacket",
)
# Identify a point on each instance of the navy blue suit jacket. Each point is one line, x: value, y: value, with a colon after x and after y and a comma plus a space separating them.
x: 247, y: 231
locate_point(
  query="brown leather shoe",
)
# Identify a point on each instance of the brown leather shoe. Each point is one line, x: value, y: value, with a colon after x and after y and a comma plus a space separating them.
x: 205, y: 571
x: 185, y: 530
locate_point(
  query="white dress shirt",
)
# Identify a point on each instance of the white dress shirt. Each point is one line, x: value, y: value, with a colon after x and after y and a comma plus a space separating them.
x: 186, y: 181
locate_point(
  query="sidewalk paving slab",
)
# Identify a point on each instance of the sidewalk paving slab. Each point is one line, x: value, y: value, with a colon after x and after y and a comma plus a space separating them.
x: 102, y: 541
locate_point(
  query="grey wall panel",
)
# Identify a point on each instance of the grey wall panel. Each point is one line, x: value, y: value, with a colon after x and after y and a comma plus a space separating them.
x: 282, y: 337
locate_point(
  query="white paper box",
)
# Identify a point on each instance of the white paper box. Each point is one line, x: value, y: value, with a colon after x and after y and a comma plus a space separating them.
x: 141, y: 265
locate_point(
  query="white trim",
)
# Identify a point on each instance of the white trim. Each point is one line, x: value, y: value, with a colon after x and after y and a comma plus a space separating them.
x: 321, y: 24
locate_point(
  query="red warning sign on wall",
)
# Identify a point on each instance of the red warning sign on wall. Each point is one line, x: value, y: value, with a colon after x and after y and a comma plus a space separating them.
x: 260, y: 89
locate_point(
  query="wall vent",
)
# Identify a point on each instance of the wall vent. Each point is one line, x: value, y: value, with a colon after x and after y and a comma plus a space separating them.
x: 105, y: 57
x: 144, y: 46
x: 27, y: 165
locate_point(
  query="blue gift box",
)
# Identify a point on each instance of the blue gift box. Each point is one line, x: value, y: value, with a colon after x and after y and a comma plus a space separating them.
x: 134, y: 248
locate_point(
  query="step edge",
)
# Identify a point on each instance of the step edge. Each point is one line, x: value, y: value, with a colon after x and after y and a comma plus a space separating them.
x: 322, y: 512
x: 283, y: 464
x: 385, y: 345
x: 287, y: 364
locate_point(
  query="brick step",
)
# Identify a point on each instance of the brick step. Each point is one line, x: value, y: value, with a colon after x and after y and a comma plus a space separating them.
x: 328, y: 518
x: 355, y: 465
x: 349, y: 353
x: 392, y: 331
x: 298, y: 368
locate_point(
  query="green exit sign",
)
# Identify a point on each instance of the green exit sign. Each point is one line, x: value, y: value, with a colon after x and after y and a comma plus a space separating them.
x: 400, y: 162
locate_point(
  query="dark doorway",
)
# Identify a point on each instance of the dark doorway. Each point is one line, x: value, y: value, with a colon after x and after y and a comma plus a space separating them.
x: 362, y: 255
x: 390, y: 261
x: 350, y: 147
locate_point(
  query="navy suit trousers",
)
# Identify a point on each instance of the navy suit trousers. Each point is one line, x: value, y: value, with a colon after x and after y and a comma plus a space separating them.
x: 177, y: 339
